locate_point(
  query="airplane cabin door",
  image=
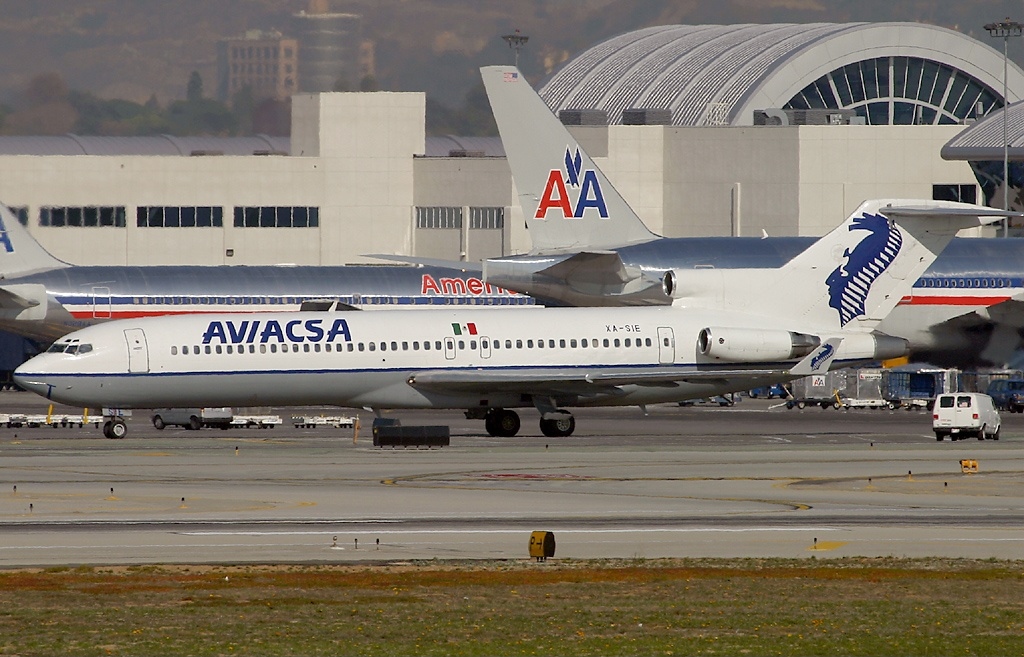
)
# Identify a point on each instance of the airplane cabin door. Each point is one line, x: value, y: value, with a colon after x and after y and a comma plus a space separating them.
x: 101, y: 302
x: 485, y: 347
x: 449, y: 348
x: 666, y: 345
x: 138, y: 351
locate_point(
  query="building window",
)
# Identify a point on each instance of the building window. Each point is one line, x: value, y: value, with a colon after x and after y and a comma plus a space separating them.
x: 88, y: 216
x: 21, y: 212
x: 159, y: 216
x: 487, y: 218
x: 919, y: 91
x: 439, y: 217
x: 277, y: 217
x: 954, y: 192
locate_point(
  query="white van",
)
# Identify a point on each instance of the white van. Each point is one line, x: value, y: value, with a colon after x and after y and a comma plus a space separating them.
x: 963, y: 414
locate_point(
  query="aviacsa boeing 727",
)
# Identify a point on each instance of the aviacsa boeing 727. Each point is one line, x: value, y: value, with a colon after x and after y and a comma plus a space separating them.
x: 729, y: 330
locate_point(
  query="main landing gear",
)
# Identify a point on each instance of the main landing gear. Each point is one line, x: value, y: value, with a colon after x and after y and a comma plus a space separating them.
x: 115, y: 428
x: 505, y: 423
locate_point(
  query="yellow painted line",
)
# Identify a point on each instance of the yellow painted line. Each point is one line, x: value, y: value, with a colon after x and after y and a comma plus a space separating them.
x: 827, y: 545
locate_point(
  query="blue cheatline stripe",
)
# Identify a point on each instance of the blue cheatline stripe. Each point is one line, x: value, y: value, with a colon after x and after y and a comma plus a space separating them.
x: 621, y: 370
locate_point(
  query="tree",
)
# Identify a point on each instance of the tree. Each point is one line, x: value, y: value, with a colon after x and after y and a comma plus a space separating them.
x: 195, y: 87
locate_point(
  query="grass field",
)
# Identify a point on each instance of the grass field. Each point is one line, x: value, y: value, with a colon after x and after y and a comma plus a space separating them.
x: 648, y: 607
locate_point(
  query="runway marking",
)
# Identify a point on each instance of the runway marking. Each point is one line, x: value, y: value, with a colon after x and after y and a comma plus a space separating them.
x: 641, y: 530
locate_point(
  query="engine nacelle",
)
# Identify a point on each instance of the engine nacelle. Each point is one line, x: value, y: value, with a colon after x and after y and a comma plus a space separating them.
x: 872, y: 346
x: 745, y: 344
x: 669, y: 284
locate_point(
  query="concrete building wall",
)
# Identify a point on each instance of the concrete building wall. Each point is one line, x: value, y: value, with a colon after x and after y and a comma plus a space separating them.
x: 353, y: 159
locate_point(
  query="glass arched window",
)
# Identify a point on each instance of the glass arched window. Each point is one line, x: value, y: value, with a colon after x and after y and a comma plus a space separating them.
x: 900, y: 91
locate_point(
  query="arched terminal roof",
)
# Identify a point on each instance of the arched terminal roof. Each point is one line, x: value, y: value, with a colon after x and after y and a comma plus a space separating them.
x: 984, y: 139
x: 71, y: 144
x: 889, y: 73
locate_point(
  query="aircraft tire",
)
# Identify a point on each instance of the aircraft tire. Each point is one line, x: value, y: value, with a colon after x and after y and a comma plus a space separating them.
x: 106, y: 429
x: 502, y: 423
x: 558, y: 428
x: 158, y: 422
x: 193, y: 423
x: 118, y: 429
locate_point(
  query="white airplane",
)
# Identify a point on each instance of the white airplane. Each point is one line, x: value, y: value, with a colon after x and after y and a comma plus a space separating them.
x: 728, y: 330
x: 591, y: 249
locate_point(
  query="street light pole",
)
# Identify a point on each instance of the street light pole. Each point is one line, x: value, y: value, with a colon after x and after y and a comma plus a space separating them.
x: 1005, y: 29
x: 515, y: 41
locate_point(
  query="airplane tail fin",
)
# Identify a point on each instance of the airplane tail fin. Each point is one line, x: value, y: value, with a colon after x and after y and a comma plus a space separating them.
x: 20, y: 253
x: 850, y: 279
x: 567, y: 201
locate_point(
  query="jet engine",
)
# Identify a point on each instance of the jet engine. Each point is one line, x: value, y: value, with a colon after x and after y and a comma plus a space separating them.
x: 745, y: 344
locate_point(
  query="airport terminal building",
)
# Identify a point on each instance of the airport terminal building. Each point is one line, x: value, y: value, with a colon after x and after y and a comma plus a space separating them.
x: 706, y: 130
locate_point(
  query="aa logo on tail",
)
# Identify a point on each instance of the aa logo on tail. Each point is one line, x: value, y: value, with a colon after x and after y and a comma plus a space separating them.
x: 5, y: 240
x: 557, y: 196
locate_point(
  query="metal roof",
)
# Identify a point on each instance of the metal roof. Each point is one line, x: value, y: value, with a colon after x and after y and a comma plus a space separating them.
x: 984, y: 139
x: 710, y: 74
x: 167, y: 145
x: 70, y: 144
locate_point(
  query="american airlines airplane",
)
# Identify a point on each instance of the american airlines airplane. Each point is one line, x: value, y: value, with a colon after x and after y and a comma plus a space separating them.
x: 44, y: 298
x: 591, y: 249
x: 727, y: 330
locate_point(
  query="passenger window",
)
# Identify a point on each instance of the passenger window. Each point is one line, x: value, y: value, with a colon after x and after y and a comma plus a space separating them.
x: 437, y: 345
x: 629, y: 343
x: 184, y: 350
x: 648, y: 341
x: 230, y: 349
x: 540, y: 344
x: 572, y: 343
x: 174, y: 351
x: 349, y: 347
x: 394, y: 346
x: 316, y: 347
x: 462, y: 344
x: 617, y: 343
x: 263, y: 348
x: 383, y: 346
x: 328, y: 347
x: 426, y: 346
x: 561, y: 344
x: 207, y: 349
x: 472, y: 344
x: 508, y: 344
x: 519, y: 344
x: 551, y: 344
x: 416, y: 345
x: 529, y: 344
x: 484, y: 344
x: 362, y: 347
x: 373, y: 346
x: 584, y: 343
x: 305, y: 347
x: 273, y: 348
x: 295, y: 348
x: 606, y: 342
x: 405, y: 346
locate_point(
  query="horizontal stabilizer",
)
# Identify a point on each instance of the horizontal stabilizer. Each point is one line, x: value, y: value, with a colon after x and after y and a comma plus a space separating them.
x: 23, y: 301
x: 819, y: 360
x: 459, y: 265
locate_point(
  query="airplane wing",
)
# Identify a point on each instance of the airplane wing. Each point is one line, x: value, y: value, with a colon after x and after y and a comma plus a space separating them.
x: 460, y: 265
x: 579, y: 382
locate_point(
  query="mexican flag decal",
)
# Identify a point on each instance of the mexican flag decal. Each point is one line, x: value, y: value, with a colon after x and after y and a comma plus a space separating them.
x: 464, y: 329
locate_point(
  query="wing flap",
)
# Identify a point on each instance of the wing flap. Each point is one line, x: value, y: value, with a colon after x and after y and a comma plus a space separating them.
x: 578, y: 381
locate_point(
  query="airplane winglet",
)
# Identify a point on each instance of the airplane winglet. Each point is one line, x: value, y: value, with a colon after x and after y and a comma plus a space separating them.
x: 819, y: 360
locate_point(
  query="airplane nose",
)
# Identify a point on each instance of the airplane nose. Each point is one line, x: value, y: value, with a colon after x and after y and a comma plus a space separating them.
x: 30, y: 382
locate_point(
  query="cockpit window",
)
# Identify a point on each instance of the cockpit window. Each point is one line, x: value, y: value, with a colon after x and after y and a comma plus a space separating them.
x: 69, y: 348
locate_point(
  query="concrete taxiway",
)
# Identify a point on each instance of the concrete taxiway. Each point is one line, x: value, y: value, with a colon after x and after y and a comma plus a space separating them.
x: 755, y: 480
